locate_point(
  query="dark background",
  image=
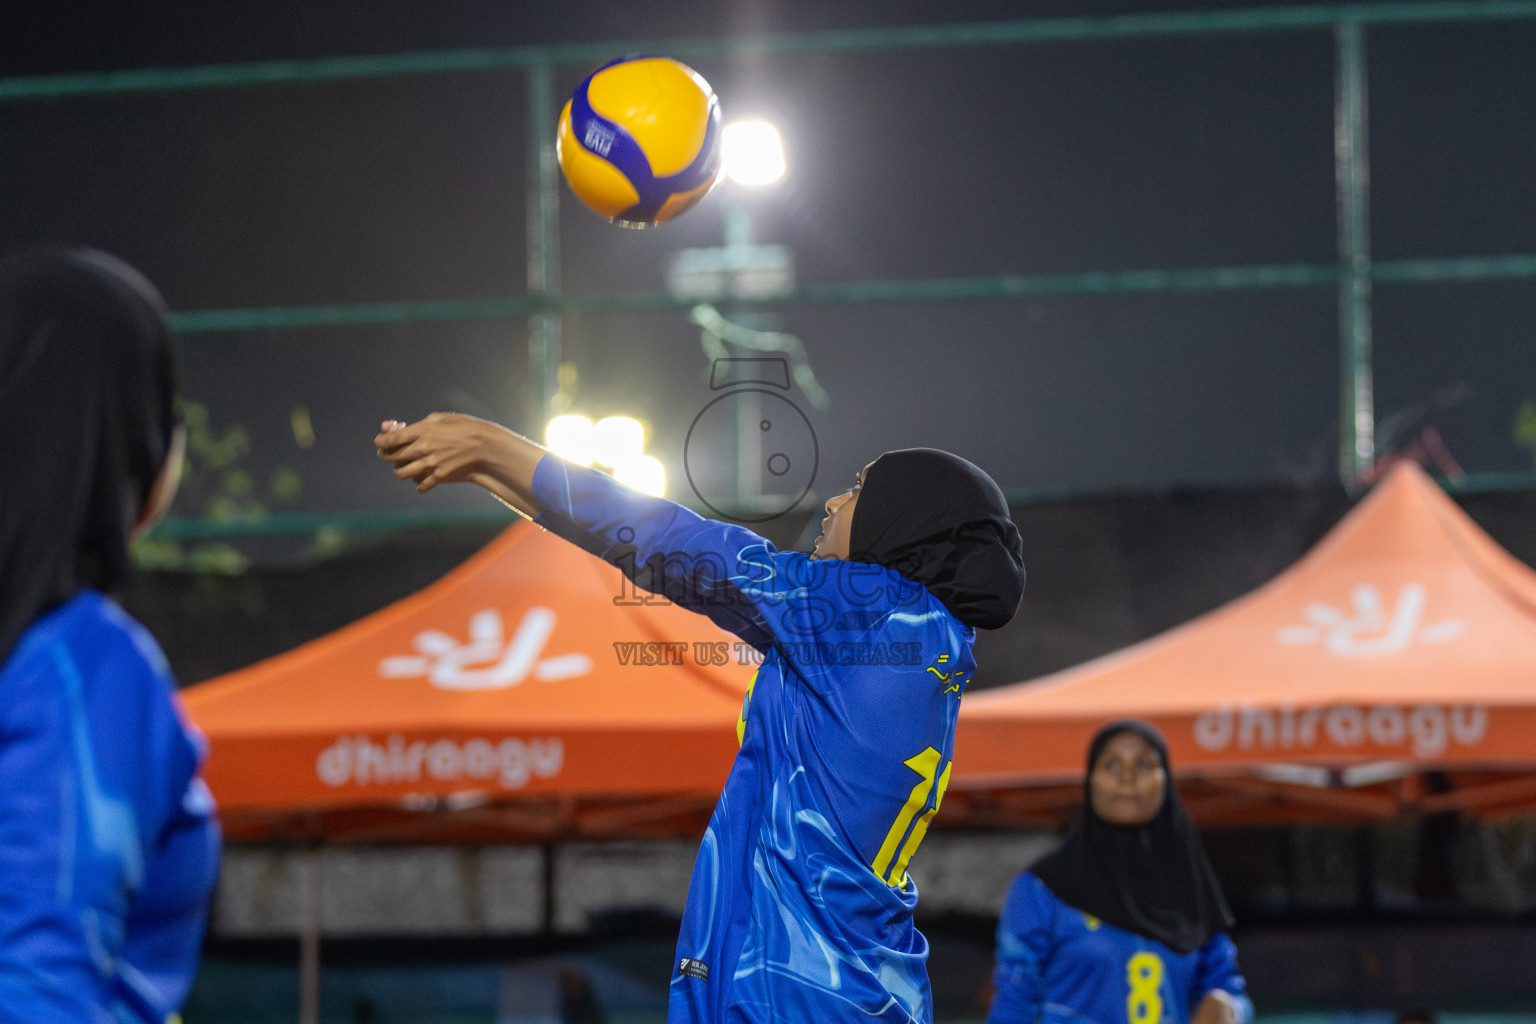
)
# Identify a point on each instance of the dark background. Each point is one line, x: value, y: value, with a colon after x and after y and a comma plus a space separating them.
x: 1167, y: 152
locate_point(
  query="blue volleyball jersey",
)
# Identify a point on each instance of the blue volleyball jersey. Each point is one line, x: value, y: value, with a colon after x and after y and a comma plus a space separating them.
x: 800, y: 905
x: 1058, y: 965
x: 108, y: 844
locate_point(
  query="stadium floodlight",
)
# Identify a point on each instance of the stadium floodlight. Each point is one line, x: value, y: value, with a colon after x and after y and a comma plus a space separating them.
x: 573, y: 438
x: 616, y: 440
x: 644, y: 473
x: 753, y: 153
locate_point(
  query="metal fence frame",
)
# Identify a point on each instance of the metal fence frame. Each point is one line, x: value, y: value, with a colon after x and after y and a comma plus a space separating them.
x: 544, y: 305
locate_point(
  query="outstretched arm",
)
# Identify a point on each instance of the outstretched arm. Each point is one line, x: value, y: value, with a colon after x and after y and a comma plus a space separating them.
x: 720, y: 569
x: 449, y: 447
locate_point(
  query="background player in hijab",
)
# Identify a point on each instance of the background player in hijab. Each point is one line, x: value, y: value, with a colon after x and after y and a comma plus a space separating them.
x: 108, y: 846
x: 1126, y: 921
x: 800, y: 906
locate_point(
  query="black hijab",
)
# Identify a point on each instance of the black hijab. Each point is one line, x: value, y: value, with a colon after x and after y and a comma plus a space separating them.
x: 87, y: 412
x: 941, y: 522
x: 1152, y: 879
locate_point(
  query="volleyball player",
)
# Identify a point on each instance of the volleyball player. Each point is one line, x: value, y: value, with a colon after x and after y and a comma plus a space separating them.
x: 108, y: 844
x: 800, y: 905
x: 1125, y: 922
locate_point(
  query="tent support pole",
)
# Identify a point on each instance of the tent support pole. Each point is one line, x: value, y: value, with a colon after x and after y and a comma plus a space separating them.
x: 309, y: 937
x: 547, y: 884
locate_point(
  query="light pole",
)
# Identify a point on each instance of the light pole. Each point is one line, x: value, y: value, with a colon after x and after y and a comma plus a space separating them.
x: 752, y: 158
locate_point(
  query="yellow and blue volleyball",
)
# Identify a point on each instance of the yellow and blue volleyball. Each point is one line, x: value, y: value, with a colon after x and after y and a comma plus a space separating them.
x: 639, y: 141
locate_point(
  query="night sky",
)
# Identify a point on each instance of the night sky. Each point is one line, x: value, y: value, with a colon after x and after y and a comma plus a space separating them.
x: 1176, y: 152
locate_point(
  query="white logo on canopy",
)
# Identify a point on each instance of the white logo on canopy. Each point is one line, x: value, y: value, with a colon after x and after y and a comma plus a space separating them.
x: 1370, y: 629
x: 486, y: 661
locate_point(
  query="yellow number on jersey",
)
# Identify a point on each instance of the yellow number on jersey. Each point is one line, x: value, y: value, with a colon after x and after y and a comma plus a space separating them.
x: 746, y: 705
x: 1144, y: 974
x: 926, y: 764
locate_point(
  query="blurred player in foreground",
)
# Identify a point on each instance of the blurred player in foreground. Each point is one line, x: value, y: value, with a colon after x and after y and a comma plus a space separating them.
x: 108, y: 844
x: 1126, y: 921
x: 800, y: 906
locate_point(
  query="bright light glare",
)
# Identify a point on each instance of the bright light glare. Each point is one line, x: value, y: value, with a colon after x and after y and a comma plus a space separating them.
x: 753, y: 153
x: 644, y: 473
x: 573, y: 438
x: 616, y: 440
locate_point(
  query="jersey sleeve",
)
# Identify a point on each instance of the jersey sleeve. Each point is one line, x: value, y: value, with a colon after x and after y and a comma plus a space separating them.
x: 35, y: 858
x: 163, y: 929
x: 165, y: 923
x: 1217, y: 970
x: 1023, y: 946
x: 722, y: 570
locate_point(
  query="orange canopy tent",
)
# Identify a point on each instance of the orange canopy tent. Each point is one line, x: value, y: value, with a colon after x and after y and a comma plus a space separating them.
x: 1392, y: 669
x: 530, y: 693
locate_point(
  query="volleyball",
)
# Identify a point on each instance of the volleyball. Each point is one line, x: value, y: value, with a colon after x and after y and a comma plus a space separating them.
x: 639, y: 140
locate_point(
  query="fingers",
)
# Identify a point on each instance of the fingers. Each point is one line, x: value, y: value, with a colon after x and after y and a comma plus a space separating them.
x: 394, y: 435
x: 437, y: 449
x: 413, y: 470
x: 404, y: 453
x: 428, y: 468
x: 423, y: 475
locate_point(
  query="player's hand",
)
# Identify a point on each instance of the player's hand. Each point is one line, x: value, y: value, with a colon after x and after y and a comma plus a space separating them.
x: 444, y: 448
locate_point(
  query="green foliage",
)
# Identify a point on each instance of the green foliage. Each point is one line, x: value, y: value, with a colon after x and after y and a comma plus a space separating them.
x: 285, y: 484
x: 238, y: 483
x: 206, y: 449
x: 1525, y: 428
x: 329, y: 541
x: 156, y: 553
x: 217, y: 486
x: 218, y: 558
